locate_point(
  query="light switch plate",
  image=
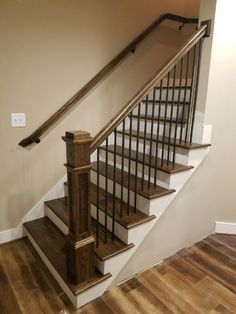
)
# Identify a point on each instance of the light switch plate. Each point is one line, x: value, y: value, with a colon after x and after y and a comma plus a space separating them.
x: 18, y: 120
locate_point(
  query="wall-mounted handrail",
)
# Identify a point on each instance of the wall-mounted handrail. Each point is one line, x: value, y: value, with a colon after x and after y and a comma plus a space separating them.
x: 35, y: 136
x: 155, y: 79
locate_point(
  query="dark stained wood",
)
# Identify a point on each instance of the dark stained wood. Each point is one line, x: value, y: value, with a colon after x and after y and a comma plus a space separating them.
x: 80, y: 244
x: 105, y: 250
x: 156, y: 118
x: 148, y: 192
x: 53, y: 244
x: 26, y: 286
x: 127, y: 221
x: 169, y: 168
x: 146, y: 89
x: 34, y: 137
x: 160, y: 139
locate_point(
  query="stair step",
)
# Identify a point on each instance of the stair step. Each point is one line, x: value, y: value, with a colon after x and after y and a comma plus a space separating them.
x: 184, y: 145
x: 163, y: 102
x: 147, y: 192
x: 104, y: 251
x: 162, y: 119
x: 168, y: 168
x: 52, y: 244
x: 134, y: 218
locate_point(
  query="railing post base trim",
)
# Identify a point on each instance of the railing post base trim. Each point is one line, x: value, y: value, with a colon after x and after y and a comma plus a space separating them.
x: 80, y: 259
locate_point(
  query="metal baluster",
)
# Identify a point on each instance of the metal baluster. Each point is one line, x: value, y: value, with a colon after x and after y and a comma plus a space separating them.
x: 97, y: 220
x: 129, y: 162
x: 136, y: 159
x: 191, y: 92
x: 158, y: 132
x: 165, y: 118
x: 196, y: 90
x: 151, y: 138
x: 144, y: 142
x: 114, y: 185
x: 106, y: 189
x: 178, y: 104
x: 122, y: 169
x: 184, y: 101
x: 171, y: 116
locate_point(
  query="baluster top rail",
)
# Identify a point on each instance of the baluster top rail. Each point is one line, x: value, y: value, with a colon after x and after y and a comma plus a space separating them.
x: 35, y: 136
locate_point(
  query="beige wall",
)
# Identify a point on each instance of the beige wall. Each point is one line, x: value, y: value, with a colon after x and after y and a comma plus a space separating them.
x: 49, y: 49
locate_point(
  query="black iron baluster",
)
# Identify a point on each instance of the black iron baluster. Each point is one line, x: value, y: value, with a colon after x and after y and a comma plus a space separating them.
x: 184, y: 100
x: 144, y: 141
x: 158, y: 132
x: 114, y: 185
x: 129, y: 162
x: 98, y: 183
x: 178, y: 104
x: 171, y: 115
x: 136, y: 159
x: 122, y: 169
x: 151, y: 137
x: 106, y: 189
x: 196, y: 90
x: 165, y: 118
x: 191, y: 92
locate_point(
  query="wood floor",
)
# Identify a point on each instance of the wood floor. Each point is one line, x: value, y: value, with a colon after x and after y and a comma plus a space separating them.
x: 201, y: 279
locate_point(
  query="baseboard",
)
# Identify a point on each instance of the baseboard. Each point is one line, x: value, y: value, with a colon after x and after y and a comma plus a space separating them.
x: 34, y: 213
x: 225, y: 227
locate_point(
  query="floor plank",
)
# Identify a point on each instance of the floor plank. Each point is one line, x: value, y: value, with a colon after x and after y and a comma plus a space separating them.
x: 200, y: 279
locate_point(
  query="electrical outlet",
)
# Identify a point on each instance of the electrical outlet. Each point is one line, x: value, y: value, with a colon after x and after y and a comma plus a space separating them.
x: 18, y: 120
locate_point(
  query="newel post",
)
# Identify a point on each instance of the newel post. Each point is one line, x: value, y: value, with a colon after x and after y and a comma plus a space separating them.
x: 79, y: 242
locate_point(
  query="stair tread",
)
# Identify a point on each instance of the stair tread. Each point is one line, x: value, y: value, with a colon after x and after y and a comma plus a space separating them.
x: 127, y: 221
x: 168, y: 168
x: 184, y: 145
x: 147, y: 192
x: 52, y: 244
x: 60, y: 208
x: 162, y: 118
x: 163, y: 102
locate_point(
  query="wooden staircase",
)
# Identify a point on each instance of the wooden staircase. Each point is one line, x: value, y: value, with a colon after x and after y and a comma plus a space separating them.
x: 118, y: 180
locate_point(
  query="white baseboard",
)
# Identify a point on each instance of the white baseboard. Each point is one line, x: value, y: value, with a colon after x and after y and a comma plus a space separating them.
x: 225, y: 227
x: 36, y: 212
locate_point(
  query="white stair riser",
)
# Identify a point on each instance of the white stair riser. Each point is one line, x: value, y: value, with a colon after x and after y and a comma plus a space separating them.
x: 162, y: 178
x: 164, y: 109
x: 100, y: 265
x: 168, y: 127
x: 181, y: 155
x: 142, y: 203
x: 184, y: 94
x: 126, y: 235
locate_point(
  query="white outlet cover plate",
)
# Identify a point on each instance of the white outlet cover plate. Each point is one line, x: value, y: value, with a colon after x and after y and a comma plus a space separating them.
x: 18, y: 120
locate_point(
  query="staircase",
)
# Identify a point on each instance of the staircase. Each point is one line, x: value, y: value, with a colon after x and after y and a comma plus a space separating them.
x: 122, y: 181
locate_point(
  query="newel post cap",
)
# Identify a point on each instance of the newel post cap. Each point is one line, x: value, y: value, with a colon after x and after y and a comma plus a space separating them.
x: 77, y: 136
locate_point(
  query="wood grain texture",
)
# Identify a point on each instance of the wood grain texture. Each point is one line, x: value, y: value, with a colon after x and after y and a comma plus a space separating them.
x: 52, y: 244
x: 146, y: 191
x: 180, y: 284
x: 104, y: 251
x: 168, y: 168
x: 160, y: 139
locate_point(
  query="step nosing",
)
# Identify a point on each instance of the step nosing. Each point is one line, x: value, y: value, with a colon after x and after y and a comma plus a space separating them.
x: 162, y: 168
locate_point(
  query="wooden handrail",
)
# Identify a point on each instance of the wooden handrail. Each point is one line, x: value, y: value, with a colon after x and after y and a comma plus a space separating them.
x: 35, y: 136
x: 155, y: 79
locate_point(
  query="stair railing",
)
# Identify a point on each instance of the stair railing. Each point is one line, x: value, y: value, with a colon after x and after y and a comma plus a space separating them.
x: 35, y: 136
x: 162, y: 113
